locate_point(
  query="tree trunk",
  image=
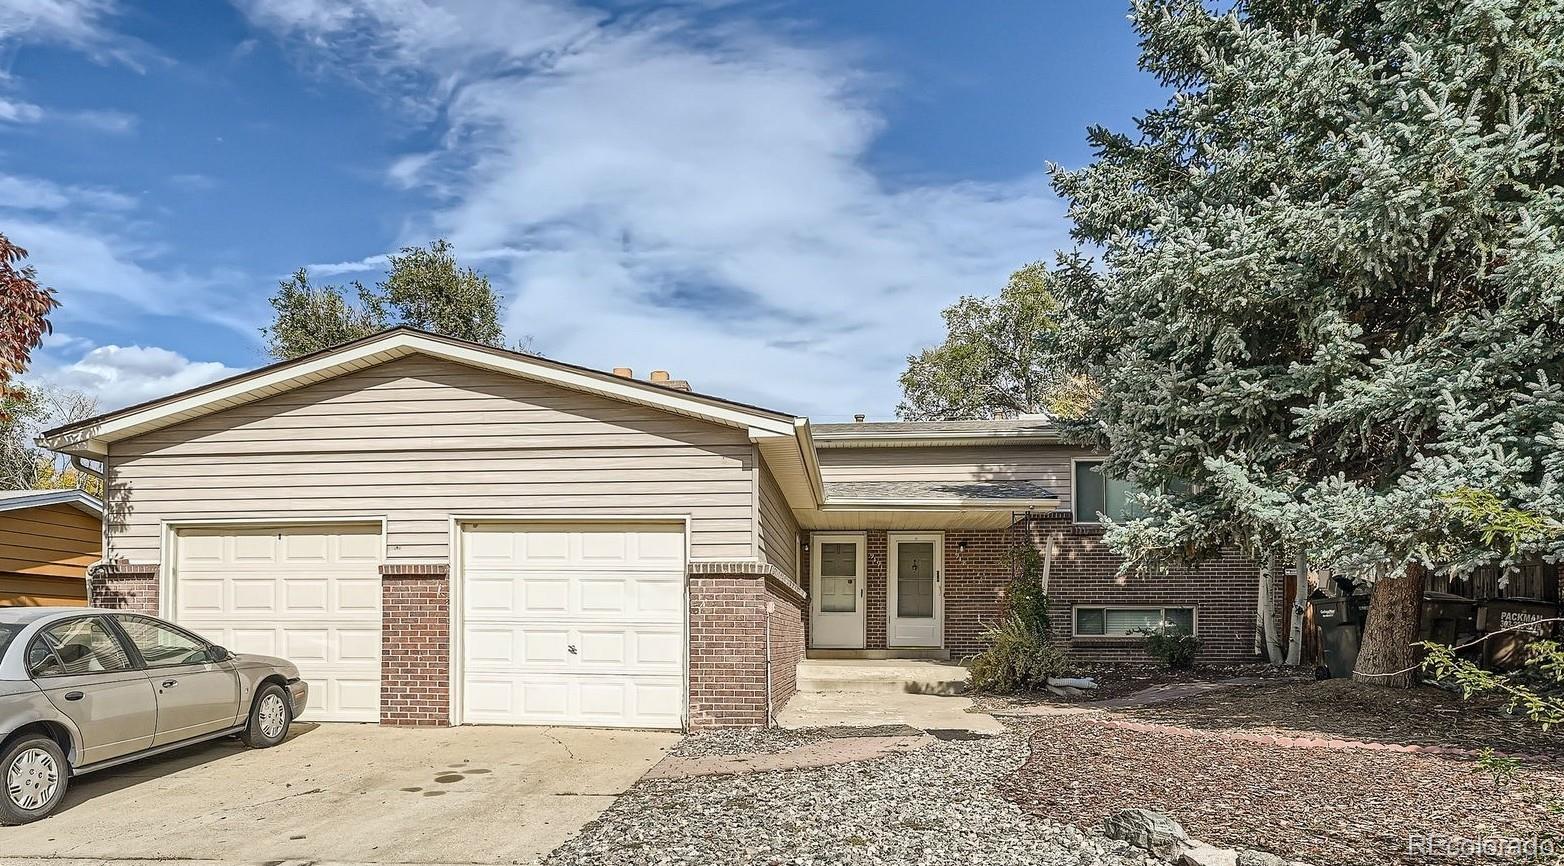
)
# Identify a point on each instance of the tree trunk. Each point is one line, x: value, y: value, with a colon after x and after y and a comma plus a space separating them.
x: 1300, y: 598
x: 1273, y: 647
x: 1394, y: 624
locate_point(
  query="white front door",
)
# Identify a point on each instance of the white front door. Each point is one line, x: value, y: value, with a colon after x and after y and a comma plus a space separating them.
x: 915, y: 604
x: 836, y: 591
x: 573, y: 624
x: 308, y: 593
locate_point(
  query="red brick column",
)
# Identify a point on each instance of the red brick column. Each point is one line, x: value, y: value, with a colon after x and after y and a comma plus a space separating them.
x: 728, y: 623
x: 415, y: 644
x: 124, y: 586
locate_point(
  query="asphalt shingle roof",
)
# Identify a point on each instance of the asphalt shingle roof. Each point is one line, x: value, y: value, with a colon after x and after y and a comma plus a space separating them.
x: 892, y: 491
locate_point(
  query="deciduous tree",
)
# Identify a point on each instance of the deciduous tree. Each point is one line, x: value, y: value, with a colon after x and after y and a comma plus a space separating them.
x: 425, y: 288
x: 999, y: 358
x: 24, y: 312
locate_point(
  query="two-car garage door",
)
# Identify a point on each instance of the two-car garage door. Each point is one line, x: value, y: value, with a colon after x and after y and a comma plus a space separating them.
x: 567, y: 624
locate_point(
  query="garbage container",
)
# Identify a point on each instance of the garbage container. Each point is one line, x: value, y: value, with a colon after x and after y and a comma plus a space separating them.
x: 1449, y: 619
x: 1506, y: 650
x: 1340, y: 620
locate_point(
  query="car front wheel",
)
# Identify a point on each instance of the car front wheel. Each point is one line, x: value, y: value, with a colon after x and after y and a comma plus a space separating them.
x: 269, y: 718
x: 35, y: 775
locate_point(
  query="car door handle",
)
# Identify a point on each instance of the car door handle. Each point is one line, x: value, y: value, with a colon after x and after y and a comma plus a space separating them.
x: 168, y: 684
x: 74, y: 696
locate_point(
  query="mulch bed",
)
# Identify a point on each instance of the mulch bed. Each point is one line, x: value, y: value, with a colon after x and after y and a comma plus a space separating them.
x: 1344, y: 709
x: 1120, y: 680
x: 1323, y: 806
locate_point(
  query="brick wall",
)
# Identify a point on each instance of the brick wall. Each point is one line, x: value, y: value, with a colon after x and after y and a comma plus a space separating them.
x: 415, y: 645
x: 123, y: 586
x: 1085, y: 572
x: 790, y: 609
x: 728, y: 623
x: 979, y: 568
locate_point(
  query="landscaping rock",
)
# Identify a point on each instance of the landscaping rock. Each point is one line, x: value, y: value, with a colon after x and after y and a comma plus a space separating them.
x: 1201, y: 854
x: 1259, y: 858
x: 1143, y: 828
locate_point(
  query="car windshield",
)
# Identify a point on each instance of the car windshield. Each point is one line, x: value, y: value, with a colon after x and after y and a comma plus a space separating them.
x: 8, y: 630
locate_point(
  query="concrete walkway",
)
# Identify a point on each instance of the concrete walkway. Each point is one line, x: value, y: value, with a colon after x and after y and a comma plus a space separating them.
x: 823, y: 753
x: 871, y: 693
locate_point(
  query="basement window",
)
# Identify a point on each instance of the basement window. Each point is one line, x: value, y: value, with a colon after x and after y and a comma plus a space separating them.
x: 1126, y: 621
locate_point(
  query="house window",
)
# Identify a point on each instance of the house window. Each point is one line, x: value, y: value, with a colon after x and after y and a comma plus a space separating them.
x: 1127, y: 621
x: 1097, y: 494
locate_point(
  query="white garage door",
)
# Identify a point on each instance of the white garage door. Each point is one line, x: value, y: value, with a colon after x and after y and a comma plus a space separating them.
x: 573, y: 625
x: 310, y: 594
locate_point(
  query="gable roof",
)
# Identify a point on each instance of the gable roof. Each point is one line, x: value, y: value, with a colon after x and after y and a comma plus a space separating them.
x: 14, y: 500
x: 91, y: 437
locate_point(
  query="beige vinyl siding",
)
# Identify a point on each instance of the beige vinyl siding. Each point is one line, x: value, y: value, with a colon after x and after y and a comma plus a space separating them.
x: 44, y: 554
x: 417, y: 439
x: 778, y: 528
x: 1048, y: 465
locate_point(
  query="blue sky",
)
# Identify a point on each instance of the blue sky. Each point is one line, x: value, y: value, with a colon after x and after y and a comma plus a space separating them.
x: 771, y: 199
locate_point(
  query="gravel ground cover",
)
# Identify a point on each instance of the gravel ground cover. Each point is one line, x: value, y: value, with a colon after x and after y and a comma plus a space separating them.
x: 1348, y: 710
x: 738, y: 741
x: 1318, y: 805
x: 936, y: 806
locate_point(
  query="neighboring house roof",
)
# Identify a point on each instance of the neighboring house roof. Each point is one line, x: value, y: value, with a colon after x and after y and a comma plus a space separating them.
x: 90, y: 437
x: 882, y: 433
x: 12, y: 500
x: 953, y: 492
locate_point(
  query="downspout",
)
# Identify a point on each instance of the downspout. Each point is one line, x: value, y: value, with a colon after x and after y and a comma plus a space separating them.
x: 771, y: 715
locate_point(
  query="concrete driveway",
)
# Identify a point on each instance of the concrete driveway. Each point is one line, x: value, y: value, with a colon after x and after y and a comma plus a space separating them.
x: 349, y: 793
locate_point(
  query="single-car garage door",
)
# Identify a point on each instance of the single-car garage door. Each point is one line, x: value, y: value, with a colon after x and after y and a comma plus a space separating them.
x: 310, y: 594
x: 573, y: 624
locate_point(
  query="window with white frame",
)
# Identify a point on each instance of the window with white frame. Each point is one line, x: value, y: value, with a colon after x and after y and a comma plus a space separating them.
x: 1095, y: 494
x: 1128, y: 621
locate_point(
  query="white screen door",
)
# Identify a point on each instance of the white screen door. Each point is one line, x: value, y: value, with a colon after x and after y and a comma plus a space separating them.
x: 836, y: 591
x: 915, y: 606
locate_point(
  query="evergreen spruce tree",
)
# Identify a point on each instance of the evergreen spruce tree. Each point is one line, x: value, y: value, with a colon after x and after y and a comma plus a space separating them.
x: 1331, y: 288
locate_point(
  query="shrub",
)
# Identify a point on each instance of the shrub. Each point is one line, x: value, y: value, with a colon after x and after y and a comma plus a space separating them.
x: 1020, y: 654
x: 1019, y: 657
x: 1174, y: 646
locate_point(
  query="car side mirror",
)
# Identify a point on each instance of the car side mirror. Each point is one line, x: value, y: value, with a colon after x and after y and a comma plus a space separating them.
x: 218, y: 654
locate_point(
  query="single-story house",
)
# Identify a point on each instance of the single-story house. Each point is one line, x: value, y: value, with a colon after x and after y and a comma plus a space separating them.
x: 440, y: 532
x: 48, y: 538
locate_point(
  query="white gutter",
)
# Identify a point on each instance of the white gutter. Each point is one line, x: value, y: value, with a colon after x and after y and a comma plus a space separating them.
x: 959, y: 504
x: 869, y: 440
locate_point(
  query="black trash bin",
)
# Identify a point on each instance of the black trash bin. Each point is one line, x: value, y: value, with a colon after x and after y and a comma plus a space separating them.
x: 1506, y: 650
x: 1449, y: 619
x: 1340, y: 621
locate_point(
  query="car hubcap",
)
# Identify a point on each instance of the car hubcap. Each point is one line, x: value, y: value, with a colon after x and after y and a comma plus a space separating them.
x: 273, y: 716
x: 32, y: 779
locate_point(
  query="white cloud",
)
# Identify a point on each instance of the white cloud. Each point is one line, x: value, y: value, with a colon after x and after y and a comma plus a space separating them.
x: 16, y: 111
x: 80, y: 24
x: 655, y: 192
x: 121, y: 375
x: 18, y: 192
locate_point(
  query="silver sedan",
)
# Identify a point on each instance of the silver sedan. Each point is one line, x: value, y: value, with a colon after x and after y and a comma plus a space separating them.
x: 84, y: 689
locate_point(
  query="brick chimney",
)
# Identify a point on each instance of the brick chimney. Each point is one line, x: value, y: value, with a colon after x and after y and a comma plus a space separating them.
x: 660, y: 377
x: 624, y: 372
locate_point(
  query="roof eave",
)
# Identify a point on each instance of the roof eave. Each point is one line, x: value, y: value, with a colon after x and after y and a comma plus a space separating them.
x: 940, y: 504
x: 81, y: 500
x: 869, y: 440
